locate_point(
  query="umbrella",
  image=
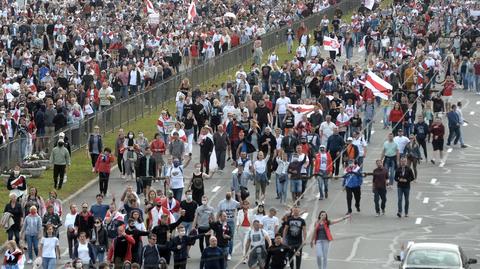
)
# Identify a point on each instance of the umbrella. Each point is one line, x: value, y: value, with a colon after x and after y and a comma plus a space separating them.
x: 230, y: 14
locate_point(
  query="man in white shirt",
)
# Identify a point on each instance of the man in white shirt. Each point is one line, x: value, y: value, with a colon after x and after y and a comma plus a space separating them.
x: 401, y: 142
x: 361, y: 144
x: 281, y: 108
x: 326, y: 129
x: 270, y: 223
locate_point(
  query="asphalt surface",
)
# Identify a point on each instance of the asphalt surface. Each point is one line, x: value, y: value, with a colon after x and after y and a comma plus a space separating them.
x: 443, y: 205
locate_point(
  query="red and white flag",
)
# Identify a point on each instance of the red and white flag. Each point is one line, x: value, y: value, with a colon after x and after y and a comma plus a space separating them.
x: 379, y: 87
x: 361, y: 46
x: 330, y: 44
x: 150, y: 8
x: 303, y: 109
x: 192, y: 11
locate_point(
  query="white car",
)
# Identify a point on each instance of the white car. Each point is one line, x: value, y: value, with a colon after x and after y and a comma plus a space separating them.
x: 434, y: 256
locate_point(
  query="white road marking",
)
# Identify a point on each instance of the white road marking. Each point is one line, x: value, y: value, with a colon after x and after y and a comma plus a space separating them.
x: 318, y: 195
x: 425, y: 200
x: 472, y: 113
x: 354, y: 249
x: 465, y: 124
x: 418, y: 221
x: 449, y: 150
x: 442, y: 164
x: 304, y: 216
x: 478, y: 102
x: 433, y: 181
x: 216, y: 189
x: 373, y: 132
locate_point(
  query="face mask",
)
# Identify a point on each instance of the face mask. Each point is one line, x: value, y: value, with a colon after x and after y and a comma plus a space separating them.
x: 60, y: 144
x: 130, y: 136
x: 176, y: 163
x: 78, y: 265
x: 181, y: 233
x: 16, y: 173
x: 189, y: 197
x: 204, y: 202
x: 98, y: 224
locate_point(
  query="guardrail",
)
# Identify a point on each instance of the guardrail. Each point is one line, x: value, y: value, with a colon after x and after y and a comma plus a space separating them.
x: 137, y: 106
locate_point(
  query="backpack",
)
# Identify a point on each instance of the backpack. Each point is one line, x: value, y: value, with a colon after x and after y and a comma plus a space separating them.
x: 252, y: 78
x: 112, y: 228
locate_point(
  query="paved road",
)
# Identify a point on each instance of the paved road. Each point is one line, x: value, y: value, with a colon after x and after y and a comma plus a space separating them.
x: 443, y: 203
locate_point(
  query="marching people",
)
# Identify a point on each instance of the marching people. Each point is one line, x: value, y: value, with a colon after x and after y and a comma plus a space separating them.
x: 352, y: 182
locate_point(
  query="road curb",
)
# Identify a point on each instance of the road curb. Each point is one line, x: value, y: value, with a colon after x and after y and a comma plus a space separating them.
x: 82, y: 189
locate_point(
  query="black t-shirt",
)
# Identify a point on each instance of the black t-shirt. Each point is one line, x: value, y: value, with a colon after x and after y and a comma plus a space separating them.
x: 121, y: 246
x: 295, y: 230
x: 188, y: 123
x: 262, y: 114
x: 189, y: 210
x: 186, y: 109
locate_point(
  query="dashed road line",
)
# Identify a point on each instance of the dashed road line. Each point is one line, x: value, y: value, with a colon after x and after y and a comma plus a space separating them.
x: 449, y: 150
x: 425, y: 200
x: 472, y: 113
x: 418, y: 221
x: 433, y: 181
x: 216, y: 188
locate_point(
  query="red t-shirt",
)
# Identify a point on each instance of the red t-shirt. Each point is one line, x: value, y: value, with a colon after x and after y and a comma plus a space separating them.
x: 245, y: 222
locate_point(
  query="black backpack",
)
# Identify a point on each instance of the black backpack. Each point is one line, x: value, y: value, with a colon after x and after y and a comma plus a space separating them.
x: 112, y: 228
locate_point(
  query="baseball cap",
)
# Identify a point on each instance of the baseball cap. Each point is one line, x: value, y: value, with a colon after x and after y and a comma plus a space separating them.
x: 350, y: 139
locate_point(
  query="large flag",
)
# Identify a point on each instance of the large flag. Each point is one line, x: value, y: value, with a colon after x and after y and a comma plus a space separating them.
x: 150, y: 8
x: 192, y: 11
x: 330, y: 44
x: 379, y: 87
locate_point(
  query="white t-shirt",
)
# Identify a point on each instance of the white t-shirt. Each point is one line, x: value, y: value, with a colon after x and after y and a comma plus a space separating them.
x: 360, y: 143
x: 269, y: 225
x: 401, y: 142
x: 260, y: 166
x: 327, y: 129
x: 282, y: 104
x: 176, y: 177
x: 49, y: 244
x: 257, y: 238
x: 83, y: 253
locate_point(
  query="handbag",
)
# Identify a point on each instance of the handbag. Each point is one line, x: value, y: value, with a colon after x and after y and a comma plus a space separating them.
x: 282, y: 178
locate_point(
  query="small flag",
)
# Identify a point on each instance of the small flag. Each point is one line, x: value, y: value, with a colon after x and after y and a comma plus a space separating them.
x: 330, y: 44
x: 379, y: 87
x: 150, y: 8
x: 361, y: 46
x: 192, y: 11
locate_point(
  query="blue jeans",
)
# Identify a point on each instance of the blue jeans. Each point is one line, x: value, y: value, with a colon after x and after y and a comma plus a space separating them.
x: 296, y: 185
x: 282, y: 189
x: 12, y: 266
x: 49, y: 263
x: 32, y: 243
x: 177, y: 193
x: 322, y: 181
x: 281, y: 117
x: 124, y: 92
x: 403, y: 192
x: 477, y: 83
x: 225, y: 251
x: 322, y: 253
x: 386, y: 113
x: 100, y: 256
x: 187, y: 225
x: 390, y: 163
x: 231, y: 223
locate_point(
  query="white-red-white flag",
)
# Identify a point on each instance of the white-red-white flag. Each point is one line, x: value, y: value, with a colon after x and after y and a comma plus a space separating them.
x: 330, y: 44
x: 361, y: 46
x: 150, y: 8
x: 379, y: 87
x: 192, y: 11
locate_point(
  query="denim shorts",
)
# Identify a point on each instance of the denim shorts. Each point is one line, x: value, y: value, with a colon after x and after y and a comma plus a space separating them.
x: 296, y: 185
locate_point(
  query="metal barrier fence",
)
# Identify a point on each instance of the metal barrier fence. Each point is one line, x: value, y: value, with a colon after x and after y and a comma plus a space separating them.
x: 125, y: 111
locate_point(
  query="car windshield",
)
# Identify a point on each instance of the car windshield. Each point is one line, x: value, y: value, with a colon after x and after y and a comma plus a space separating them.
x: 433, y: 257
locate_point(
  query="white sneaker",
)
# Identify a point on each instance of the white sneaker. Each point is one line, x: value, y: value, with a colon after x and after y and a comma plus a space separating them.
x: 65, y: 178
x: 29, y: 261
x: 229, y: 257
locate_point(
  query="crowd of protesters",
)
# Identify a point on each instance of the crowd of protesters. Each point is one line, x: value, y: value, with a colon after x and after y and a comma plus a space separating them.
x: 61, y: 61
x: 279, y: 123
